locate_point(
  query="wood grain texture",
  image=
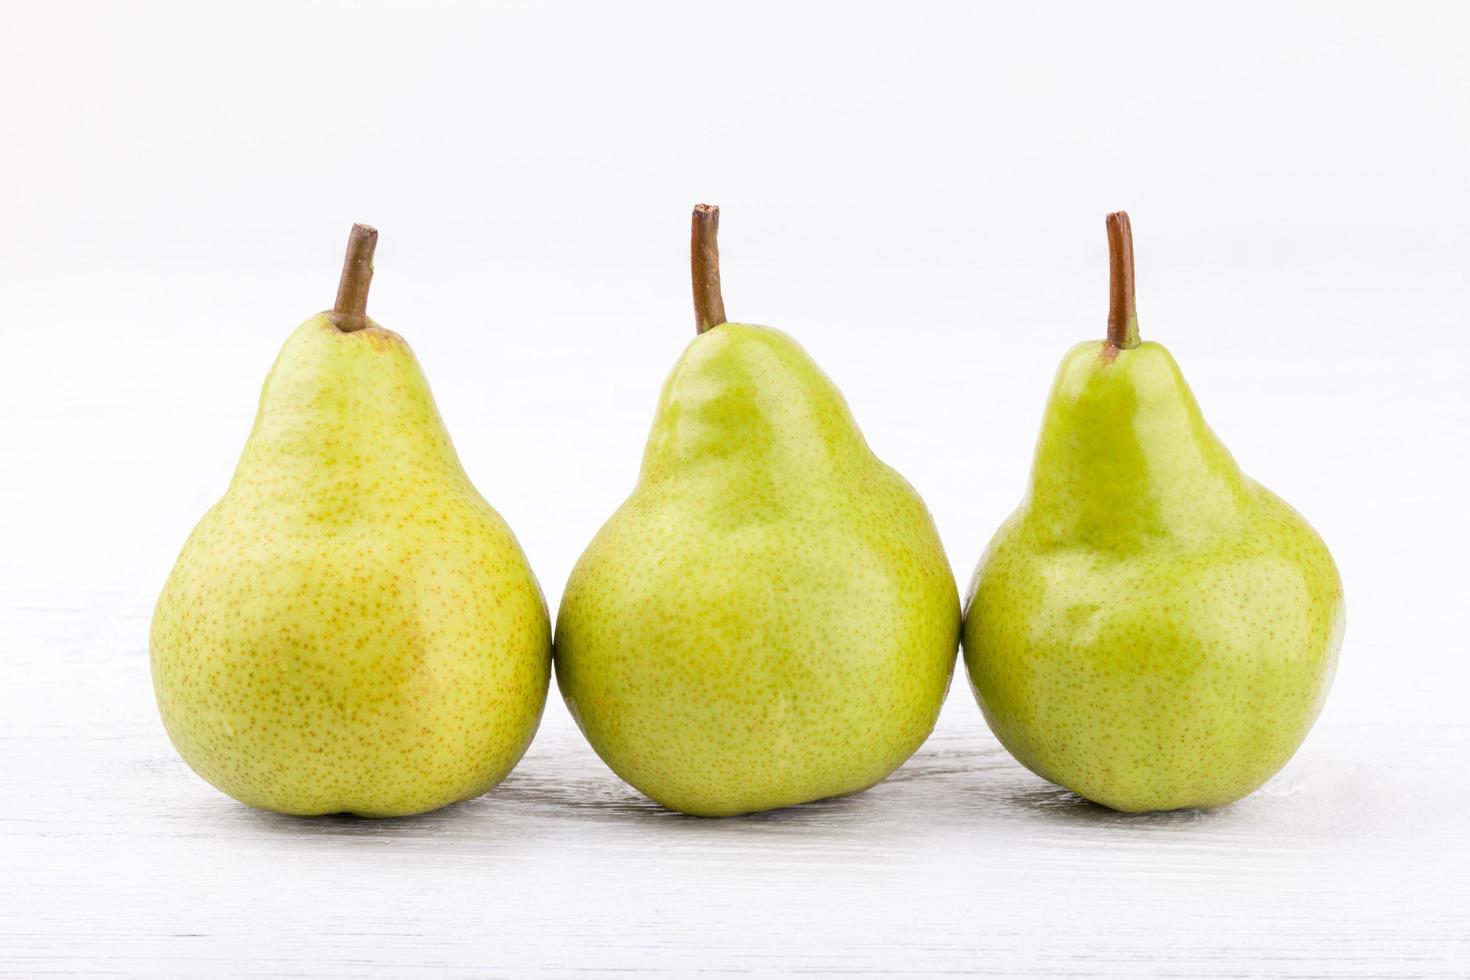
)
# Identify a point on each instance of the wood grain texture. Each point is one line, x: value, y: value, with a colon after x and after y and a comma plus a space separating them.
x: 120, y: 862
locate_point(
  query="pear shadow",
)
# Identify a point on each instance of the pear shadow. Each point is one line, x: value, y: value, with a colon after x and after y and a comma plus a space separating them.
x: 443, y: 822
x: 604, y: 797
x: 594, y: 795
x: 953, y: 773
x: 564, y: 788
x: 1061, y: 805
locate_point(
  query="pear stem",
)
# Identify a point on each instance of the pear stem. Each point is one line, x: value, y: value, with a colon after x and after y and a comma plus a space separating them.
x: 1122, y: 309
x: 350, y: 311
x: 704, y: 264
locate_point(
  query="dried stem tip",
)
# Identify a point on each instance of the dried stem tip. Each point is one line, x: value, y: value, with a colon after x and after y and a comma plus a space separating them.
x: 1122, y: 310
x: 350, y: 310
x: 704, y: 262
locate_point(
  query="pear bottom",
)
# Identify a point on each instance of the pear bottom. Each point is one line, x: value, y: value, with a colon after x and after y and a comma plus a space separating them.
x: 1157, y: 681
x: 729, y: 781
x: 718, y: 692
x: 413, y: 678
x: 305, y: 737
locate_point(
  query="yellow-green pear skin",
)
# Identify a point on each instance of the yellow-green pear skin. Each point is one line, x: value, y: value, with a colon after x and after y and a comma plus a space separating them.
x: 770, y: 617
x: 351, y: 628
x: 1152, y: 628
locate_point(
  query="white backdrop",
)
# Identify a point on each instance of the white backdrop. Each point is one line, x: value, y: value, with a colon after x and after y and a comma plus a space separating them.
x: 917, y: 193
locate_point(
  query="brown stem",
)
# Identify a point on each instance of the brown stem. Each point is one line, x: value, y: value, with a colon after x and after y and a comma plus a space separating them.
x: 1122, y: 310
x: 350, y: 311
x: 704, y: 263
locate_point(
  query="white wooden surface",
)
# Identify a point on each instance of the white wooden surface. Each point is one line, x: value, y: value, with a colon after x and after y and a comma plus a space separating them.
x: 119, y: 862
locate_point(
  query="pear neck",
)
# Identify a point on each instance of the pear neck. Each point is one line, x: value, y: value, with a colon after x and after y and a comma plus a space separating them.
x: 339, y: 410
x: 1125, y: 455
x: 747, y: 403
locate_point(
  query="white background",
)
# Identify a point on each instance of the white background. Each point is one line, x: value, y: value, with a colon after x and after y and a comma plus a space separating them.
x: 915, y: 192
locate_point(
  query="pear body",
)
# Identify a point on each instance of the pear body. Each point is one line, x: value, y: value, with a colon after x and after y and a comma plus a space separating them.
x: 351, y: 628
x: 1151, y: 629
x: 769, y: 618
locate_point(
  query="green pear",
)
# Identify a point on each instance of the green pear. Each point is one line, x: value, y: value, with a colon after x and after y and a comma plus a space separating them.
x: 351, y: 628
x: 769, y: 618
x: 1151, y: 629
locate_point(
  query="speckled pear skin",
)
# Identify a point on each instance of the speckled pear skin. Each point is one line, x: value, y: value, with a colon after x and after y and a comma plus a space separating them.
x: 351, y: 628
x: 1152, y: 629
x: 770, y: 617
